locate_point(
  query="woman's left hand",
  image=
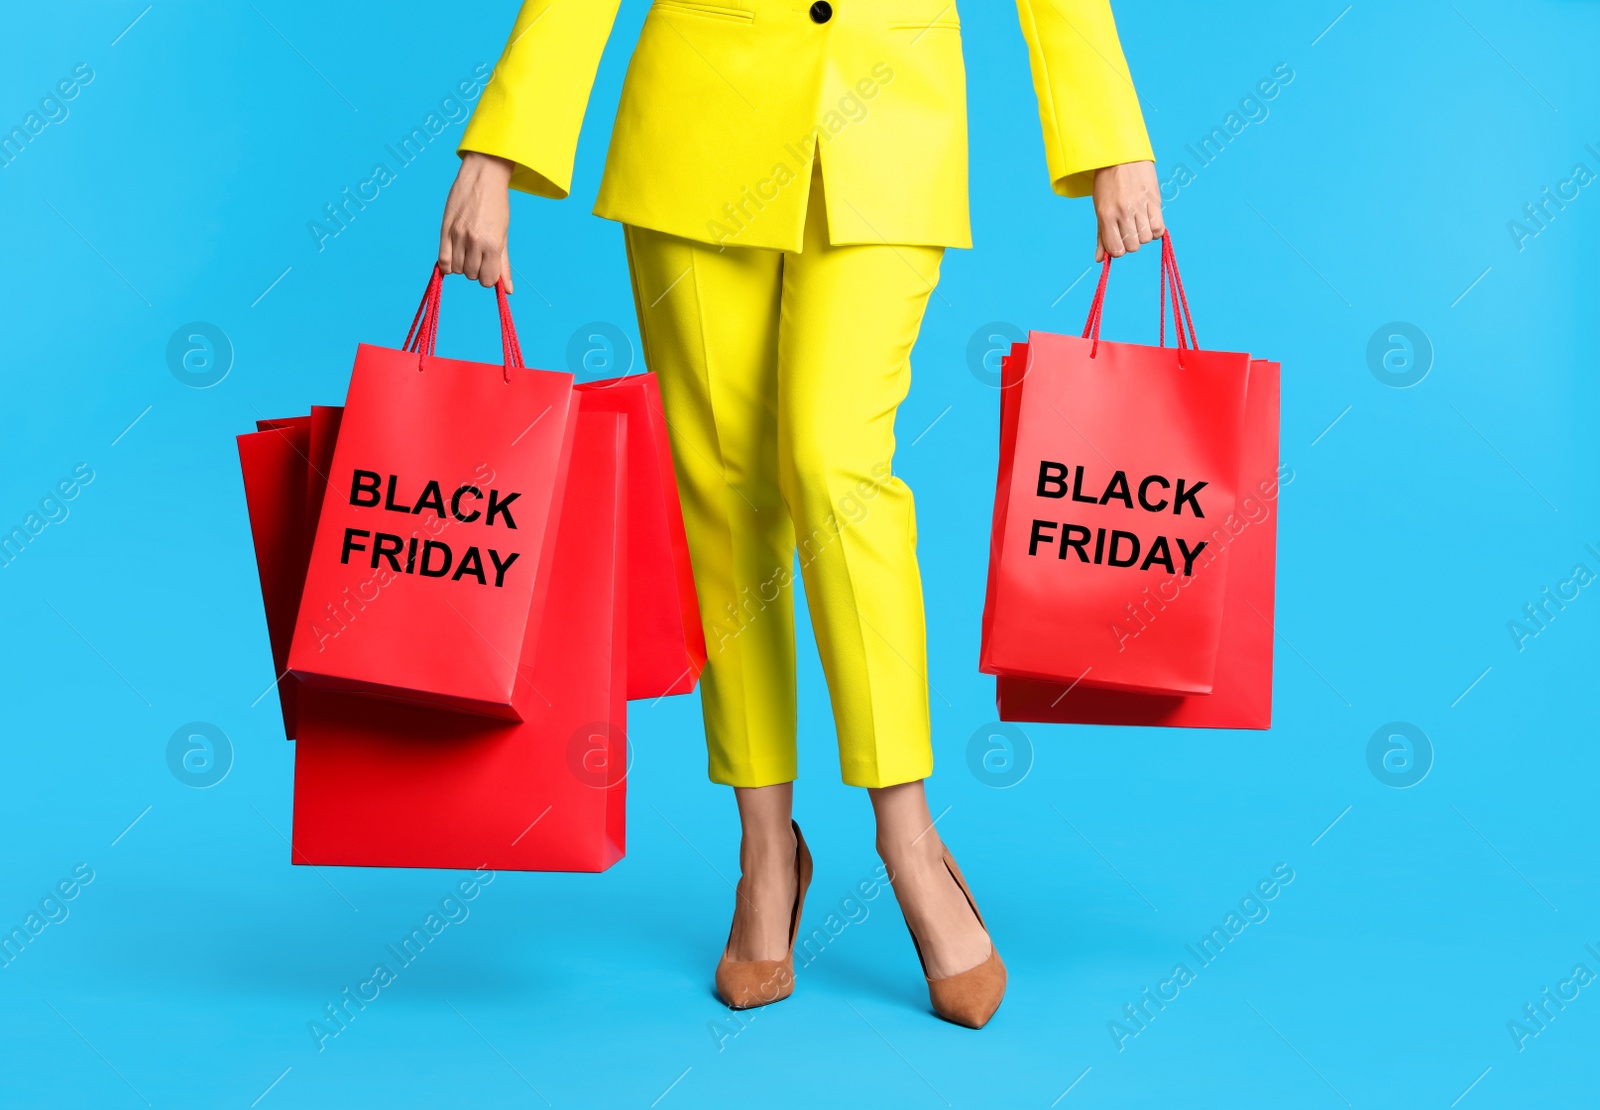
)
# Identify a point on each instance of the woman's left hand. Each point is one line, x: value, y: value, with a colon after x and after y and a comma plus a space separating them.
x: 1127, y: 207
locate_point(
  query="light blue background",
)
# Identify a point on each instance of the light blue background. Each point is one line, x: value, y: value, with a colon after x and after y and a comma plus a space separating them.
x: 1419, y: 522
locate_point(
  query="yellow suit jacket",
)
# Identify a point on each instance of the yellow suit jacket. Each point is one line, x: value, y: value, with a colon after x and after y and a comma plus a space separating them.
x: 726, y: 104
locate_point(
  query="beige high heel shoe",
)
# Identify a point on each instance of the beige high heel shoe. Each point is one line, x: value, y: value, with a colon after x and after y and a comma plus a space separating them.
x: 969, y: 997
x: 743, y: 984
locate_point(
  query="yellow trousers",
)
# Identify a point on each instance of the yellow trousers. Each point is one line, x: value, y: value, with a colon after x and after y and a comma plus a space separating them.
x: 780, y: 374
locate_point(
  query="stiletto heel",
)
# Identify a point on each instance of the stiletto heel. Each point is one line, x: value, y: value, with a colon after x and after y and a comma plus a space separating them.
x: 744, y: 984
x: 969, y: 997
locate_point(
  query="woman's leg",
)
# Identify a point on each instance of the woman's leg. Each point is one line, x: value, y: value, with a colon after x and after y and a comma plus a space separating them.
x: 709, y: 322
x: 951, y: 937
x: 850, y: 318
x: 766, y: 890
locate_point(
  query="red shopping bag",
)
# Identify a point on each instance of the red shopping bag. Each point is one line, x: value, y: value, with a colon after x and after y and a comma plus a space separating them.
x: 1118, y: 463
x: 666, y: 644
x: 431, y: 555
x: 390, y: 785
x: 273, y: 461
x: 1241, y: 696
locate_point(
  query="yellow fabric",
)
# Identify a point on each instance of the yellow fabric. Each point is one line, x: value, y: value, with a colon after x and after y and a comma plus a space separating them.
x: 532, y: 108
x: 780, y: 375
x: 725, y: 104
x: 1087, y: 102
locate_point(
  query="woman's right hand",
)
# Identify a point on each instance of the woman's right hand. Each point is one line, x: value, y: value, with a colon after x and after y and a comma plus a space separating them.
x: 472, y: 239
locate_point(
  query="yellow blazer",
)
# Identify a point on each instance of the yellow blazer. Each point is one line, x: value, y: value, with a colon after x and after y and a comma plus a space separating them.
x: 726, y: 104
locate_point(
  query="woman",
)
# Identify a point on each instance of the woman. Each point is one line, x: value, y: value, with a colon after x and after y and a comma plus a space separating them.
x: 788, y: 177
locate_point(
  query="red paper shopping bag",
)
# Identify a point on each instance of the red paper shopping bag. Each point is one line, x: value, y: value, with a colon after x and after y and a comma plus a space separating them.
x: 1118, y: 463
x: 273, y: 462
x: 1241, y: 695
x: 666, y: 644
x: 383, y: 784
x: 431, y: 553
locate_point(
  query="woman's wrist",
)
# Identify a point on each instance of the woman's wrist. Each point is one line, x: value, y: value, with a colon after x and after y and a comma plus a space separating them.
x: 490, y: 169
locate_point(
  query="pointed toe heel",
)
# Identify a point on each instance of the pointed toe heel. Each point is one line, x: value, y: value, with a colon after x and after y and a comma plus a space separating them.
x: 969, y: 997
x: 746, y: 984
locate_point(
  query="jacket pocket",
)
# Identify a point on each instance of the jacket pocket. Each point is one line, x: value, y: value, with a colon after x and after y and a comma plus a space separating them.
x: 707, y: 11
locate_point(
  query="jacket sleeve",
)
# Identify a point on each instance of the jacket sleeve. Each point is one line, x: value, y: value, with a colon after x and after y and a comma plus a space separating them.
x: 1087, y: 102
x: 532, y: 109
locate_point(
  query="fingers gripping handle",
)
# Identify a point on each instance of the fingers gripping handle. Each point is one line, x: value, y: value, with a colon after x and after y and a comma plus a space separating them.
x: 424, y: 330
x: 1180, y: 302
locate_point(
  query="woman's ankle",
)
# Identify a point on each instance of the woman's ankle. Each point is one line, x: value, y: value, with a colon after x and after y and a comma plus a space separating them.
x: 913, y: 856
x: 762, y: 849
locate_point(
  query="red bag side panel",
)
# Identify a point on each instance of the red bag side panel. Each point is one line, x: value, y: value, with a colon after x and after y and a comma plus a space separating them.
x: 324, y: 435
x: 666, y: 642
x: 273, y: 465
